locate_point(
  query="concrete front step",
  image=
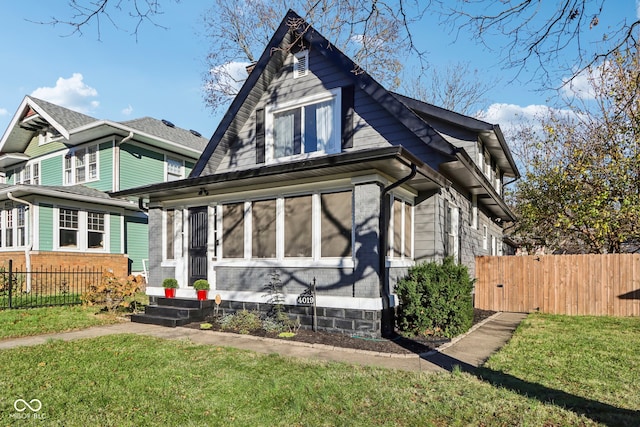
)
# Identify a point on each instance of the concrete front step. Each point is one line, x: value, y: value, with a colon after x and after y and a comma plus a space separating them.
x: 174, y: 312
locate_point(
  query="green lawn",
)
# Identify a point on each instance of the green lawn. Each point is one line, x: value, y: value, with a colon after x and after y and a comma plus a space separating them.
x: 35, y: 321
x: 557, y: 371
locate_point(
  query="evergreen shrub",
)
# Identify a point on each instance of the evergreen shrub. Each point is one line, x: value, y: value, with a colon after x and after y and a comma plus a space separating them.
x: 435, y: 299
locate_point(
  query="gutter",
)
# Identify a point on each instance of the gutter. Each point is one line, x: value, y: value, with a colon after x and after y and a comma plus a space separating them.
x: 387, y: 316
x: 29, y: 246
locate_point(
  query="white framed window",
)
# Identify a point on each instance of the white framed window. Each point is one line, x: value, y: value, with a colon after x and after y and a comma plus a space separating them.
x: 485, y: 237
x: 400, y: 230
x: 175, y: 169
x: 95, y: 230
x: 452, y: 234
x: 498, y: 181
x: 494, y: 247
x: 306, y: 226
x: 81, y: 230
x: 301, y: 64
x: 13, y: 226
x: 473, y: 212
x: 308, y: 126
x: 81, y: 165
x: 27, y: 174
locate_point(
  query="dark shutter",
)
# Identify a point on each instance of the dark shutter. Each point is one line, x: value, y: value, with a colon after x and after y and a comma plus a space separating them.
x: 347, y: 116
x: 260, y: 148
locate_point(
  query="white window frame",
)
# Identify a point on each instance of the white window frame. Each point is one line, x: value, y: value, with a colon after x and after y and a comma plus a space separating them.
x: 334, y: 146
x: 485, y: 237
x: 70, y: 165
x: 167, y: 161
x: 316, y: 234
x: 474, y: 211
x: 391, y: 230
x: 13, y: 218
x: 27, y: 174
x: 301, y: 64
x: 82, y: 244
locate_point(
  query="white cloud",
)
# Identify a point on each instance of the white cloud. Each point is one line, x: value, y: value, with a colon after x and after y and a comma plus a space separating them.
x: 3, y: 111
x: 72, y: 93
x: 127, y: 111
x: 228, y: 78
x: 511, y: 116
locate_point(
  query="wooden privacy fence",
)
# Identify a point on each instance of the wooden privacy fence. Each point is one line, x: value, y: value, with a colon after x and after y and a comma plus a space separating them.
x: 560, y: 284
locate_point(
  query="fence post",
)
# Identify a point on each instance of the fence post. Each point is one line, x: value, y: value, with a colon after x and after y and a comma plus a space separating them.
x: 10, y: 278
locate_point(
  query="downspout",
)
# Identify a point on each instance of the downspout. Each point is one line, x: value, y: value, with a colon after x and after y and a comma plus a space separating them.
x: 116, y: 161
x: 29, y: 246
x: 387, y: 316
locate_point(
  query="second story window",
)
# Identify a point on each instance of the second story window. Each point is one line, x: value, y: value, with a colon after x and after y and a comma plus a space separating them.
x: 304, y: 126
x: 81, y: 165
x: 29, y: 174
x: 174, y: 169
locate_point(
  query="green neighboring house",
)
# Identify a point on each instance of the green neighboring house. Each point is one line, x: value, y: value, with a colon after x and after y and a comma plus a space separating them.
x: 57, y: 167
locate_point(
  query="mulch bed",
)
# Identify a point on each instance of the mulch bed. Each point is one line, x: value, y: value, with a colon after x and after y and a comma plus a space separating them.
x: 397, y: 344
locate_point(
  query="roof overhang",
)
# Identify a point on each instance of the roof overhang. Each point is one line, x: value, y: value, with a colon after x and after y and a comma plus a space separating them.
x: 467, y: 175
x: 10, y: 159
x: 393, y: 162
x: 27, y: 191
x: 105, y: 128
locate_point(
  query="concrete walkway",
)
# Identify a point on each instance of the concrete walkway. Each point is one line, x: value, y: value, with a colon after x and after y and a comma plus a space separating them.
x: 467, y: 351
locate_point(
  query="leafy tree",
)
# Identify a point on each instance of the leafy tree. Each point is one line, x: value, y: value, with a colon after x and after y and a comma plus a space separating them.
x: 581, y: 188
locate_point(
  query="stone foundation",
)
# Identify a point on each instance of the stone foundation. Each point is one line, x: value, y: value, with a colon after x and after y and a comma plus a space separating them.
x: 346, y: 321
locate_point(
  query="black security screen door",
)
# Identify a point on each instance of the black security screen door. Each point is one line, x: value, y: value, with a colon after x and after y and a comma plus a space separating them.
x: 198, y: 230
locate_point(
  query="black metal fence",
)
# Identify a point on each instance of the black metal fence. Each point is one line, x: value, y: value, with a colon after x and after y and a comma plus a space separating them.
x: 42, y: 287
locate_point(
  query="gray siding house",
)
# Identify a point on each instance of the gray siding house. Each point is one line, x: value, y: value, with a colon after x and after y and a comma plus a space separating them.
x: 324, y: 176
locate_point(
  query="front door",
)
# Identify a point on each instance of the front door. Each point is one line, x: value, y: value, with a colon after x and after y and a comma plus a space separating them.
x: 198, y: 231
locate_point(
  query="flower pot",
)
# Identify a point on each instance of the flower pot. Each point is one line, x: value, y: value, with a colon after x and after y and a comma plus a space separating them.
x: 169, y: 292
x: 202, y: 294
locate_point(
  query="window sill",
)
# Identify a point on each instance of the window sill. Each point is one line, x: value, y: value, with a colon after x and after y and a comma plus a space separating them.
x: 287, y: 263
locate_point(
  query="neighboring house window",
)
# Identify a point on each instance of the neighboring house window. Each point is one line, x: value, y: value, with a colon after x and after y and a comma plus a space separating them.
x: 498, y: 181
x: 169, y: 233
x: 28, y: 174
x: 68, y: 228
x: 307, y: 126
x: 452, y: 234
x: 400, y: 230
x: 174, y: 169
x: 480, y: 156
x: 82, y: 230
x: 494, y: 249
x: 485, y: 243
x: 95, y: 230
x: 20, y: 225
x: 486, y: 168
x: 301, y: 64
x: 81, y: 165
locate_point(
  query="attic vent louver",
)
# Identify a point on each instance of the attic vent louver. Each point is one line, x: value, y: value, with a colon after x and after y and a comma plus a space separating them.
x: 195, y: 133
x: 168, y: 123
x: 301, y: 64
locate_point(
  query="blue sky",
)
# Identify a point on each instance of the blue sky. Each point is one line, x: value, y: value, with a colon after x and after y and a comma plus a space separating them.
x: 160, y: 74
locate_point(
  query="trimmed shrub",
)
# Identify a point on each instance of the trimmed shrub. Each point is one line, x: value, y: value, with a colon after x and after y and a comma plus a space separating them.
x: 435, y: 299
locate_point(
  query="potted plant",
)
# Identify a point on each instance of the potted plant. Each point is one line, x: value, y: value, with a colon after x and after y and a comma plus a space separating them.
x: 201, y: 286
x: 170, y: 284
